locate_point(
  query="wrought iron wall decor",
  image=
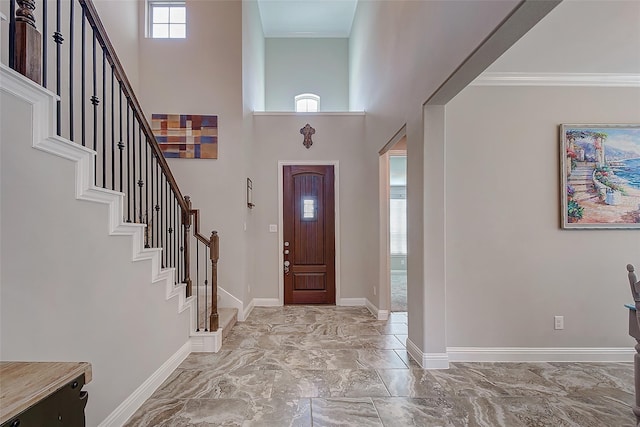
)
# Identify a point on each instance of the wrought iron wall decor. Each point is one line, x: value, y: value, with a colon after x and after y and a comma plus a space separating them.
x: 307, y: 131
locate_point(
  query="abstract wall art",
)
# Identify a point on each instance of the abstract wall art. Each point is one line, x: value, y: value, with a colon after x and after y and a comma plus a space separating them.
x: 186, y: 136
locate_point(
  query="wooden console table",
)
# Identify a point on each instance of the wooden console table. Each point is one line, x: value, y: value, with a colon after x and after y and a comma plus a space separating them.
x: 43, y: 393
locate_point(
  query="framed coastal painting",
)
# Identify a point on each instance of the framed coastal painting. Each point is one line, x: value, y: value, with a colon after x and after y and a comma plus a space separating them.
x: 600, y: 176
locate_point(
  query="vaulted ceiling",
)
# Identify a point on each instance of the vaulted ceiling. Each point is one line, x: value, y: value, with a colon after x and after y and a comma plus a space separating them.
x: 307, y: 18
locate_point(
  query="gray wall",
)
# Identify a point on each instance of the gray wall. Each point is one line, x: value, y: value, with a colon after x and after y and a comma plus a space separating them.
x: 298, y: 65
x: 509, y: 267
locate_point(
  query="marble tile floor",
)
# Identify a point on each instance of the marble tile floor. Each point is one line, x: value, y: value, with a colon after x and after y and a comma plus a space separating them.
x: 338, y: 366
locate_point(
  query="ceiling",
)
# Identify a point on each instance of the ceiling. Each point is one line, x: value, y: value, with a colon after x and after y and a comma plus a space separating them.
x: 307, y: 18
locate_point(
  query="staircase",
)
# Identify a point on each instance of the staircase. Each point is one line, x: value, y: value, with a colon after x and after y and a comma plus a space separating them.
x: 90, y: 300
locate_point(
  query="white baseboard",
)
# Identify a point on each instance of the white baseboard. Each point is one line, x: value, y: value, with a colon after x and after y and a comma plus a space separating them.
x: 352, y: 302
x: 266, y: 302
x: 135, y: 400
x: 380, y: 314
x: 206, y: 342
x: 427, y: 360
x: 527, y: 354
x: 247, y: 311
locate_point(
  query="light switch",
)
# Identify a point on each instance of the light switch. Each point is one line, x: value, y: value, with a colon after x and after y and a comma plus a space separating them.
x: 273, y: 228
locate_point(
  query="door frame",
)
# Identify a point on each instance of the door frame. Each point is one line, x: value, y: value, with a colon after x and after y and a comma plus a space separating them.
x: 384, y: 273
x: 336, y: 195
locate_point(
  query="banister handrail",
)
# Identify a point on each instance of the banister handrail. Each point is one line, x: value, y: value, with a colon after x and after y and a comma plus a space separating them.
x: 101, y: 34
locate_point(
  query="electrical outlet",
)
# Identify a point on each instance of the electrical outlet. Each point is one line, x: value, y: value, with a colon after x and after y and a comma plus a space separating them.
x: 558, y: 322
x: 374, y: 291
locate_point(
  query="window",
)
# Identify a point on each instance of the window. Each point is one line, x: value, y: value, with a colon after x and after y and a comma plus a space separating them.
x: 307, y: 103
x: 309, y: 208
x: 167, y: 19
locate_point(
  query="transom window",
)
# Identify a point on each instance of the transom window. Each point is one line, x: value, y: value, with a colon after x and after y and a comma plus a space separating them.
x: 167, y: 19
x: 307, y: 103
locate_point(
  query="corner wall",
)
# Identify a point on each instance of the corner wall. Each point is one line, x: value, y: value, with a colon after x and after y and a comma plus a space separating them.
x: 510, y: 268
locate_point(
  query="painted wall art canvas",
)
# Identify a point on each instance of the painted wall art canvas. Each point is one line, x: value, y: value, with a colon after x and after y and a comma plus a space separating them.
x: 186, y: 136
x: 600, y: 174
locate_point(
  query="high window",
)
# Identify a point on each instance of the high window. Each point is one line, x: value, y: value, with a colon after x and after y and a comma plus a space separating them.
x: 167, y: 19
x: 307, y: 103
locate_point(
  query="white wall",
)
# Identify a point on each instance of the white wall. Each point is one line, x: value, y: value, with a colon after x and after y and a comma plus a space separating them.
x: 202, y: 74
x: 301, y: 65
x: 122, y: 20
x: 253, y: 94
x: 337, y: 137
x: 510, y: 268
x: 602, y: 37
x: 68, y: 290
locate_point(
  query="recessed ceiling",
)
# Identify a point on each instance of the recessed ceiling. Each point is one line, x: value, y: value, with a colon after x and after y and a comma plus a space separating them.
x: 307, y: 18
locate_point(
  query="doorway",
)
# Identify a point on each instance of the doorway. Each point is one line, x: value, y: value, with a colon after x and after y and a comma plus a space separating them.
x: 393, y: 224
x: 308, y: 234
x: 398, y: 230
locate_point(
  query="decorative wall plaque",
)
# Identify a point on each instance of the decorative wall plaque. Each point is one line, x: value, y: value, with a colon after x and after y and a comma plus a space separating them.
x: 307, y: 131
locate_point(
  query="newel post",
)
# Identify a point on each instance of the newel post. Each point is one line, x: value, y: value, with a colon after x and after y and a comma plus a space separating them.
x: 27, y: 42
x: 186, y: 222
x: 214, y: 254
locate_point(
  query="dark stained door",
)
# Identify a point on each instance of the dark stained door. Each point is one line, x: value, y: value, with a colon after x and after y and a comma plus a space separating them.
x: 309, y: 235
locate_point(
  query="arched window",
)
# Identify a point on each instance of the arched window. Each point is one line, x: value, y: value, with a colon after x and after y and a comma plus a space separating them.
x: 307, y: 103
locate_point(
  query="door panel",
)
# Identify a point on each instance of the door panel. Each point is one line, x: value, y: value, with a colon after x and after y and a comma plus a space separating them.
x: 309, y: 229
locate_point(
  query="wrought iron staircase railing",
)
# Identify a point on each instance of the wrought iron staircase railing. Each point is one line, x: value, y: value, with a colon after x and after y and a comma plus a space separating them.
x: 104, y: 114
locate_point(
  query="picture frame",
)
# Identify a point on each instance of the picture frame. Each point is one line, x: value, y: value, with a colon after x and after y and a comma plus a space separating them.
x: 600, y: 176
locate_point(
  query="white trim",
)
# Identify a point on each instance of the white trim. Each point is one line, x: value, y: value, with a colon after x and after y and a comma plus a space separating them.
x: 225, y: 299
x: 135, y: 400
x: 558, y: 79
x: 351, y: 302
x: 206, y: 342
x: 427, y: 360
x: 336, y: 196
x: 266, y: 302
x: 319, y: 113
x: 247, y: 311
x: 543, y: 354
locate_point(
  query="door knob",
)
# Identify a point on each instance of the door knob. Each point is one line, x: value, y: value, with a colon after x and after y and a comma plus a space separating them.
x: 286, y: 244
x: 286, y: 267
x: 286, y: 251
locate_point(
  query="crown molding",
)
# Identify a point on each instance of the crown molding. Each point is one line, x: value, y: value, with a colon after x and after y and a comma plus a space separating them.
x: 558, y: 79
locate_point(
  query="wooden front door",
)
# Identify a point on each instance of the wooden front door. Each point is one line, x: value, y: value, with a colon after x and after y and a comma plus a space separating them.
x: 309, y: 235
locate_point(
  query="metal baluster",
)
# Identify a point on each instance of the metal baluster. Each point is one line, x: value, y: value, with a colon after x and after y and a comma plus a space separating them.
x: 146, y: 193
x: 150, y: 189
x: 71, y: 47
x: 12, y: 36
x: 104, y: 119
x: 158, y: 242
x: 140, y: 181
x: 197, y: 285
x: 133, y: 180
x: 57, y: 37
x: 120, y: 142
x: 94, y: 101
x: 44, y: 43
x: 128, y: 165
x: 83, y: 61
x: 161, y: 214
x: 113, y: 133
x: 206, y: 288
